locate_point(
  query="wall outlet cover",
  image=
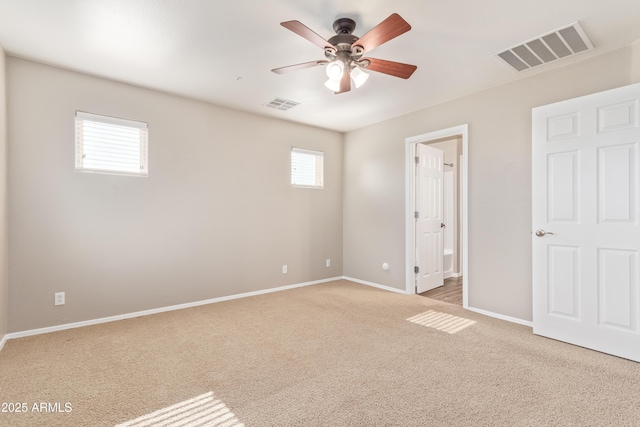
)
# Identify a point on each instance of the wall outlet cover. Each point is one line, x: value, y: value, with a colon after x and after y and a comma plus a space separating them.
x: 59, y: 298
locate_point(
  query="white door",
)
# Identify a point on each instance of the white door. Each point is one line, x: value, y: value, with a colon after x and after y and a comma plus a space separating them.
x: 429, y: 222
x: 585, y: 192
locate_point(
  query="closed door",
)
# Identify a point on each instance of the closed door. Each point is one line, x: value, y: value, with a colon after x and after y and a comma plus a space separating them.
x: 586, y: 237
x: 429, y: 217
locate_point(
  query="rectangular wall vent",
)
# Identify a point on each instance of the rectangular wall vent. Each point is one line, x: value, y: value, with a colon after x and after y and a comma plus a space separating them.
x: 281, y: 104
x: 561, y: 43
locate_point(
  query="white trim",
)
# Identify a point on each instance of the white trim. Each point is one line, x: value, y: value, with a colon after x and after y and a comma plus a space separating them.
x: 375, y: 285
x: 476, y: 310
x: 101, y: 118
x: 159, y: 310
x: 63, y: 327
x: 502, y: 317
x: 410, y: 195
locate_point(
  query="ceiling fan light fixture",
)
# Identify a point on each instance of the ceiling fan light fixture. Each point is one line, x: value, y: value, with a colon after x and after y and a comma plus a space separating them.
x: 344, y: 52
x: 333, y: 85
x: 334, y: 70
x: 358, y: 76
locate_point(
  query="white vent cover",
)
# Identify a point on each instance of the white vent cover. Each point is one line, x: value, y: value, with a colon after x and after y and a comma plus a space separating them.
x: 281, y: 104
x: 557, y: 44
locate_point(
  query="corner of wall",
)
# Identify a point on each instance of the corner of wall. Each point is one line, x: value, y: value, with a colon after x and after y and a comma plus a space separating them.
x: 4, y: 261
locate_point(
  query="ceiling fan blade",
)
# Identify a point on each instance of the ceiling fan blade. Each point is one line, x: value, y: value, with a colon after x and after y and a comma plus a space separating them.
x: 397, y: 69
x: 302, y: 30
x: 345, y: 83
x: 388, y: 29
x: 296, y: 67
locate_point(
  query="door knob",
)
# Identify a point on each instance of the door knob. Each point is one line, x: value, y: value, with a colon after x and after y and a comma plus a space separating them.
x: 541, y: 233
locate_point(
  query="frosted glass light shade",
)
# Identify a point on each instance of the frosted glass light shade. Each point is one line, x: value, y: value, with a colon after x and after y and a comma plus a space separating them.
x: 334, y: 70
x: 359, y: 76
x: 334, y: 85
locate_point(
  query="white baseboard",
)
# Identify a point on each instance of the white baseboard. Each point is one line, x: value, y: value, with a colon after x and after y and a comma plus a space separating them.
x: 477, y: 310
x: 156, y: 310
x: 65, y: 326
x: 375, y: 285
x: 501, y: 316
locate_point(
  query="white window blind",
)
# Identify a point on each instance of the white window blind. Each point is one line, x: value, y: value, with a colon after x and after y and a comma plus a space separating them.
x: 110, y: 145
x: 307, y: 168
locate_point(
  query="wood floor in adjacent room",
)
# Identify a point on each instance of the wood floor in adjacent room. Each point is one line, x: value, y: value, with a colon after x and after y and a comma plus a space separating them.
x: 451, y: 292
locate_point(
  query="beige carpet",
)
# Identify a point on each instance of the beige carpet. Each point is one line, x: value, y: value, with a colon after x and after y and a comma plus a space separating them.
x: 335, y: 354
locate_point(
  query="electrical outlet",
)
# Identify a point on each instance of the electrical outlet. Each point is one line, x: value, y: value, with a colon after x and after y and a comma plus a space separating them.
x: 58, y: 298
x: 284, y: 269
x: 328, y: 263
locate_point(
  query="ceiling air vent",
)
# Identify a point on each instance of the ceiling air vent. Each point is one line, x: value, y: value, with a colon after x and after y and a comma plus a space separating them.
x: 561, y: 43
x: 281, y: 104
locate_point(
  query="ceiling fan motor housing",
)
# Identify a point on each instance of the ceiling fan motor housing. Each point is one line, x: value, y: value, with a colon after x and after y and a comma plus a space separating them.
x: 344, y: 26
x: 343, y: 42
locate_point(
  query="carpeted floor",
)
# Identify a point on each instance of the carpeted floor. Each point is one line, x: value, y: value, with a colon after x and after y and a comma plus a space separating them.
x: 335, y: 354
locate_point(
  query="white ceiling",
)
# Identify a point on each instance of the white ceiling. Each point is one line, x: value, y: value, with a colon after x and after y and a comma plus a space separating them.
x: 222, y: 51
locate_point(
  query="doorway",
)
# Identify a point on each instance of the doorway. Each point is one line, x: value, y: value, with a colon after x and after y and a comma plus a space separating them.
x: 412, y: 200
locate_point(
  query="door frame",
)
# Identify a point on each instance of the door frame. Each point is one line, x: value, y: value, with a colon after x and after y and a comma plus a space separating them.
x: 410, y: 203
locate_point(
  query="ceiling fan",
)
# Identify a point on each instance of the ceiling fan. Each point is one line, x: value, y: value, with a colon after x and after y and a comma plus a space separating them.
x: 344, y: 52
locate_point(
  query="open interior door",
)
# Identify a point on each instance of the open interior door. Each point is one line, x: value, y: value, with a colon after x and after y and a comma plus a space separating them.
x: 586, y: 233
x: 429, y: 217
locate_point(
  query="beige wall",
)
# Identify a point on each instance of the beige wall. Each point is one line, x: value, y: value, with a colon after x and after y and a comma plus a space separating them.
x: 4, y: 240
x: 216, y: 216
x: 499, y: 181
x: 635, y: 61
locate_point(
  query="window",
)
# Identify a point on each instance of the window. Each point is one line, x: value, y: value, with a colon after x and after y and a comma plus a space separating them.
x: 306, y: 168
x: 110, y: 145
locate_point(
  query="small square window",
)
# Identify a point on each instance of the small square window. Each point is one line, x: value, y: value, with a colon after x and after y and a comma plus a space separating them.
x: 110, y: 145
x: 307, y: 168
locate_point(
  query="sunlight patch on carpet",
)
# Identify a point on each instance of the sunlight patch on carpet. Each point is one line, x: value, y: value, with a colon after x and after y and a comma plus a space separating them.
x: 441, y: 321
x: 203, y: 410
